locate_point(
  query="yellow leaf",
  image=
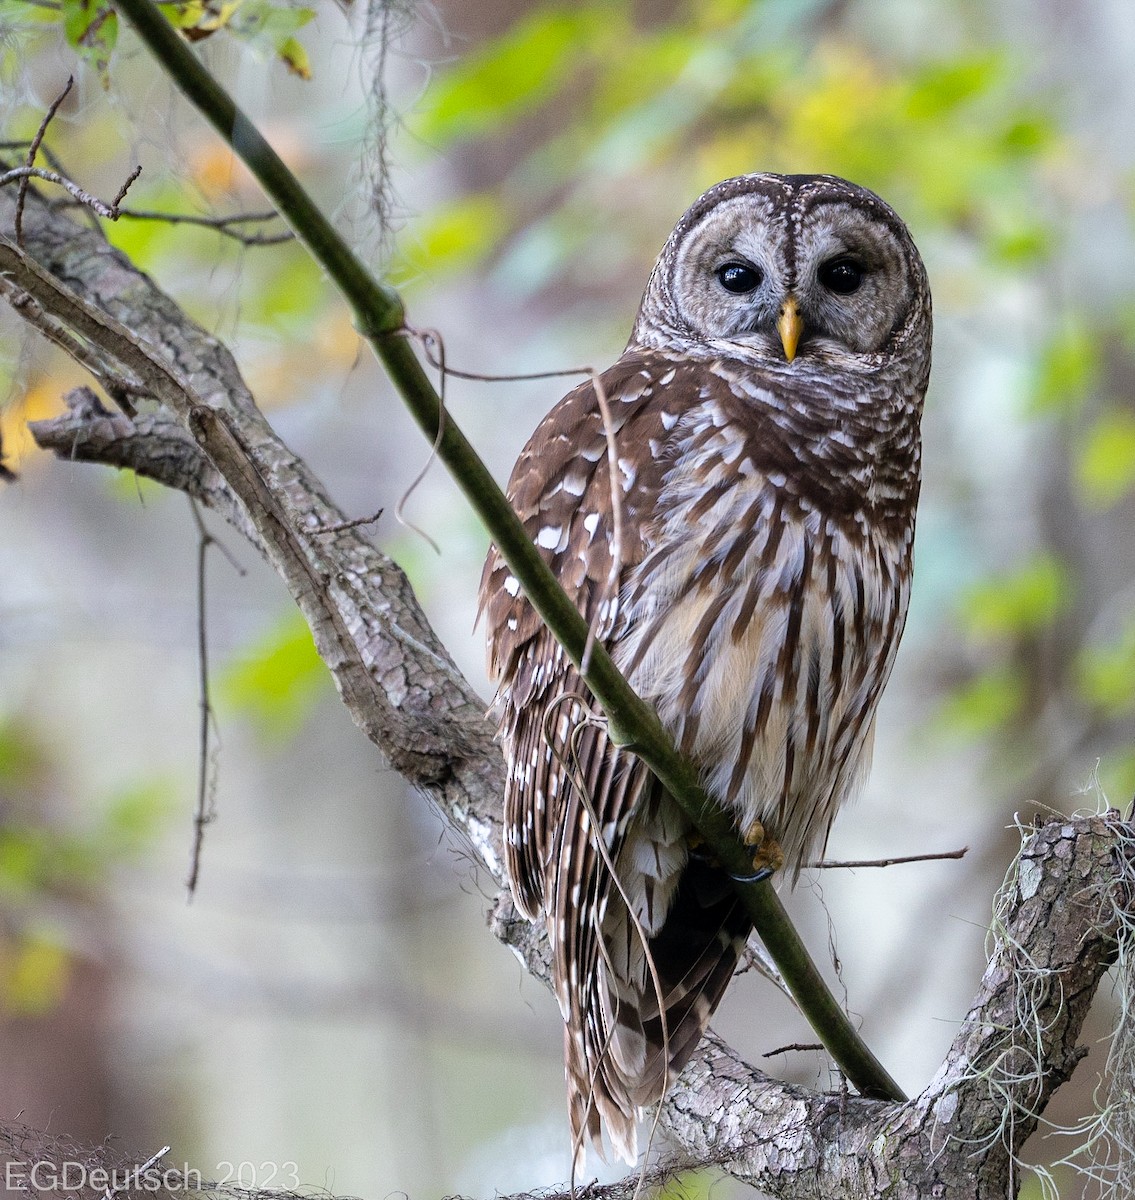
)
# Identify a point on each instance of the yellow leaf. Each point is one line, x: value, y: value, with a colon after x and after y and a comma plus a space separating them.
x: 295, y: 57
x: 42, y: 400
x: 337, y: 339
x: 35, y: 977
x: 1105, y: 465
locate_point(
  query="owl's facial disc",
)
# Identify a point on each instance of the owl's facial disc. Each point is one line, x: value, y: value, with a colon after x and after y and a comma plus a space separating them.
x: 830, y: 279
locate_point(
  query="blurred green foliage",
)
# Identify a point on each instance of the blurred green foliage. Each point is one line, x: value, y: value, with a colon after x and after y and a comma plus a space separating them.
x: 1106, y: 674
x: 1105, y: 463
x: 722, y: 89
x: 91, y: 27
x: 1067, y: 369
x: 49, y: 853
x: 1017, y: 602
x: 278, y: 680
x: 990, y: 699
x: 589, y: 106
x: 523, y: 68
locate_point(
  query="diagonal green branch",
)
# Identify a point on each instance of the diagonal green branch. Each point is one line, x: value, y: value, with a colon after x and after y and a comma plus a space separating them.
x: 380, y: 317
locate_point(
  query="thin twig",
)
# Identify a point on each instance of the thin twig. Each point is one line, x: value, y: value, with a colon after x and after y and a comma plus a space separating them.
x: 205, y: 810
x: 222, y: 225
x: 424, y: 337
x: 110, y: 1193
x: 793, y: 1047
x: 340, y: 526
x: 123, y: 190
x: 85, y: 198
x: 831, y: 864
x: 478, y: 377
x: 33, y: 150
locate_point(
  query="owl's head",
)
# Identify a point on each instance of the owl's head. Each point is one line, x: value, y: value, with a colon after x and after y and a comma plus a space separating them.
x: 779, y: 268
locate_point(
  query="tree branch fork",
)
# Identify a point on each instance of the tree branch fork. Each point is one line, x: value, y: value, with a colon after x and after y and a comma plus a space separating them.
x: 1059, y: 921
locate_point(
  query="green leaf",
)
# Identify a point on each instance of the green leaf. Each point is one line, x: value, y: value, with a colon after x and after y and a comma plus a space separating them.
x: 294, y: 57
x: 1068, y: 370
x: 135, y: 816
x: 91, y: 27
x: 1105, y: 675
x: 1022, y: 601
x: 1021, y: 245
x: 22, y: 759
x: 1105, y: 461
x: 942, y: 87
x: 985, y: 703
x: 456, y: 236
x: 1028, y: 134
x: 278, y: 681
x: 35, y: 975
x: 516, y: 72
x: 21, y: 861
x: 18, y: 13
x: 257, y: 22
x: 197, y: 15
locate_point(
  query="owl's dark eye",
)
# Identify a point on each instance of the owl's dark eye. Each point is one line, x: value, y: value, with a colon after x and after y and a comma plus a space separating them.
x: 842, y: 275
x: 739, y: 278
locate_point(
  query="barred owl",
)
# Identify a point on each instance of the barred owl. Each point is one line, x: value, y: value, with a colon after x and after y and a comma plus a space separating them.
x: 766, y: 416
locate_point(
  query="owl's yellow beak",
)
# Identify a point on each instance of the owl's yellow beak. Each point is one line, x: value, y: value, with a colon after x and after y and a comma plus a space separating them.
x: 790, y: 325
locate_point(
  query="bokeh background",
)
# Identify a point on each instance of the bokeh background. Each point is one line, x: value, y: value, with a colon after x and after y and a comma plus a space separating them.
x: 330, y: 1010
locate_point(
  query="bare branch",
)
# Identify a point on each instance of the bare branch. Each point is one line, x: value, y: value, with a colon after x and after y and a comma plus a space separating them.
x: 33, y: 150
x: 205, y: 811
x: 793, y: 1048
x: 395, y: 677
x: 355, y: 523
x: 223, y: 225
x: 152, y: 444
x: 832, y: 864
x: 961, y: 1137
x: 110, y: 211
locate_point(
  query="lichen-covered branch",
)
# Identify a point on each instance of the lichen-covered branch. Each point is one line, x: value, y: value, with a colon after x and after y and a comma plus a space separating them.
x: 1056, y: 924
x: 1054, y: 937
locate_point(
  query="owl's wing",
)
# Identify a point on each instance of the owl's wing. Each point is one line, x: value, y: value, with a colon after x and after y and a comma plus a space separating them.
x: 628, y: 1028
x: 561, y: 490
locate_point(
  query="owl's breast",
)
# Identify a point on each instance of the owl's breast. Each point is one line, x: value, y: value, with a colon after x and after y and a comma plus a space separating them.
x: 763, y: 628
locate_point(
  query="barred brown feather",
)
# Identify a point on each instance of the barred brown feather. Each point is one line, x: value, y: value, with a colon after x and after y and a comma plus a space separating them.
x: 768, y: 499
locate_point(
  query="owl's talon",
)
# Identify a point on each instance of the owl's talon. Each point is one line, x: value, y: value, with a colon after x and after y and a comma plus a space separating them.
x: 769, y: 857
x: 758, y: 876
x: 754, y: 835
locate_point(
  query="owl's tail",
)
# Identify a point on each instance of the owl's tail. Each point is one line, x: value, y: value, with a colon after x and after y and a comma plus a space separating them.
x: 658, y: 978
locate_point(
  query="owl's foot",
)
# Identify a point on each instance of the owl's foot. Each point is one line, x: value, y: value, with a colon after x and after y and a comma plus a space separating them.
x: 768, y: 857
